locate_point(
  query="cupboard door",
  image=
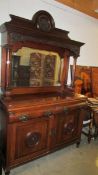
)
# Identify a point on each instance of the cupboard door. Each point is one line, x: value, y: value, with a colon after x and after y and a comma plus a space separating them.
x: 31, y: 138
x: 68, y: 125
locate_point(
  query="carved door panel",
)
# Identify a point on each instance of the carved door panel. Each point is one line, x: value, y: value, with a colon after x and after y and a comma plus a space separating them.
x: 31, y: 138
x: 68, y: 125
x: 63, y: 127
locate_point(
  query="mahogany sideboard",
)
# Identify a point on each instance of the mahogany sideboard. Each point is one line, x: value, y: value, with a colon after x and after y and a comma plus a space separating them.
x: 39, y: 112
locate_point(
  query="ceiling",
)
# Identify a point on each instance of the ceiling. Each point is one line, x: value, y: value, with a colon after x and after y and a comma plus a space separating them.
x: 86, y: 6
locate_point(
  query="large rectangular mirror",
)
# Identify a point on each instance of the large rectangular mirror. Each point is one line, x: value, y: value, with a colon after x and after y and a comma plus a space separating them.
x: 33, y: 67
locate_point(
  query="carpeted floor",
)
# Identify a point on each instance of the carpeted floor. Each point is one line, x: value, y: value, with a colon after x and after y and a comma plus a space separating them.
x: 68, y: 161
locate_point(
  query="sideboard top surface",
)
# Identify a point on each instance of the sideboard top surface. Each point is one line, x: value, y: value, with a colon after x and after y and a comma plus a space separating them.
x: 42, y: 100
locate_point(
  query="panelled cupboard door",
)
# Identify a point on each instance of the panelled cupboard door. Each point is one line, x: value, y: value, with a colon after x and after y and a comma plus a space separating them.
x: 64, y: 127
x: 68, y: 125
x: 31, y: 138
x: 28, y: 139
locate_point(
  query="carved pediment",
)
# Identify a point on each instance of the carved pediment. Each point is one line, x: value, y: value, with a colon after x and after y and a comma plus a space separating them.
x: 40, y: 29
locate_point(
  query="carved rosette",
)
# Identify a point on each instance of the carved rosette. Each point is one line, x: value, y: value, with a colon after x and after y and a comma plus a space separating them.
x: 68, y: 128
x: 32, y: 139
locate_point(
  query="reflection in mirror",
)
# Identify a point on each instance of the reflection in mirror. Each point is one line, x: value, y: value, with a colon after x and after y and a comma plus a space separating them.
x: 69, y: 80
x: 33, y: 67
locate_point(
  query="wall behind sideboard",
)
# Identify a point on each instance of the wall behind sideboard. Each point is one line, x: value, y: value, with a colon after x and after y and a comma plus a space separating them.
x: 81, y: 27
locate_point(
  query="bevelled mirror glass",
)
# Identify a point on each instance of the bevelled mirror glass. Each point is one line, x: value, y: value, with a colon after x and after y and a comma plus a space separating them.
x: 33, y: 67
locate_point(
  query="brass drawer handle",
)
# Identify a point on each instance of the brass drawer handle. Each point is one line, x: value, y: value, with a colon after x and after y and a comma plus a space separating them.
x: 23, y: 118
x: 48, y: 113
x: 65, y: 109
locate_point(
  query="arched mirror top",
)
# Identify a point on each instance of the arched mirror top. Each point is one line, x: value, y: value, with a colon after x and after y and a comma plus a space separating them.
x: 42, y: 20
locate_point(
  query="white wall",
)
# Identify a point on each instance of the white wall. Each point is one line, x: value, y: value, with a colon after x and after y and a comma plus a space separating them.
x: 82, y: 27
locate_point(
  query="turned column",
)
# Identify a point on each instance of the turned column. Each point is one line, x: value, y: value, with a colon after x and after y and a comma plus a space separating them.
x: 73, y: 71
x: 65, y: 66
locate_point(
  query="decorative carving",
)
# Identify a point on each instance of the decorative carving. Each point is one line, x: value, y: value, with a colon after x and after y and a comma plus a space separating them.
x: 32, y: 139
x: 74, y: 49
x: 16, y: 37
x: 43, y: 21
x: 35, y: 69
x: 68, y: 128
x: 42, y: 69
x: 49, y: 65
x: 40, y: 29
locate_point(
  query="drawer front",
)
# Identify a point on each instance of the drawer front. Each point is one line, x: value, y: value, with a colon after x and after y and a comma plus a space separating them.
x: 28, y: 114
